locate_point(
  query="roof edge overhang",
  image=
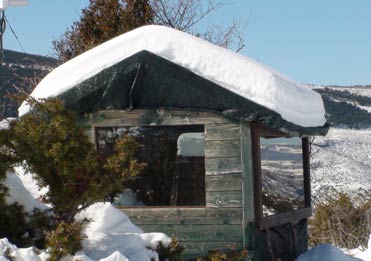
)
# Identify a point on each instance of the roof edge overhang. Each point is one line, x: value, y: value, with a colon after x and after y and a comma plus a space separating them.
x: 146, y: 80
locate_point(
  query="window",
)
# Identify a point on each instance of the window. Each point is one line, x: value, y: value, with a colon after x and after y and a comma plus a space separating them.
x: 281, y: 177
x: 175, y: 164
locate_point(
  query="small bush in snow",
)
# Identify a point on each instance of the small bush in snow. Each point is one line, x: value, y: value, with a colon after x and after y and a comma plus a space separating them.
x: 341, y: 222
x: 58, y: 151
x: 65, y: 239
x: 231, y: 255
x: 173, y: 252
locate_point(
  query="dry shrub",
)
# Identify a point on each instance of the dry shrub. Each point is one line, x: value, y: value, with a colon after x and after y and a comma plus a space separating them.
x: 230, y: 255
x: 342, y: 222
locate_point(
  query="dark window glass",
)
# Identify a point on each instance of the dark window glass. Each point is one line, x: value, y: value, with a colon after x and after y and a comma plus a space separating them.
x: 282, y: 175
x: 175, y: 170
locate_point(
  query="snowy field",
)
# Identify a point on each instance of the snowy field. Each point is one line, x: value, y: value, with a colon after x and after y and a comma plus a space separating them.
x: 358, y: 90
x: 342, y: 161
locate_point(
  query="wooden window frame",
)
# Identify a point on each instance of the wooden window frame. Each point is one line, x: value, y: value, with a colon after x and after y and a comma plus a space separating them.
x: 294, y: 216
x: 172, y: 199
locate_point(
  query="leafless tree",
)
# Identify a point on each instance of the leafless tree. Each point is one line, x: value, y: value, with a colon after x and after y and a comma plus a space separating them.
x: 313, y: 146
x: 186, y: 15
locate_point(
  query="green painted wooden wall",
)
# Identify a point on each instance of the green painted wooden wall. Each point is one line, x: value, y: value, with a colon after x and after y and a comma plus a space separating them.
x: 222, y: 223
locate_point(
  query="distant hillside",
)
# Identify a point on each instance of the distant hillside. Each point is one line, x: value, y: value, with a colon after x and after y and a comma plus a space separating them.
x: 347, y: 106
x: 19, y: 73
x: 342, y: 159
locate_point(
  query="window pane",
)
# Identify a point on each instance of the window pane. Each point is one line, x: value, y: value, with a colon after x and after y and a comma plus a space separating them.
x: 175, y: 170
x: 282, y: 175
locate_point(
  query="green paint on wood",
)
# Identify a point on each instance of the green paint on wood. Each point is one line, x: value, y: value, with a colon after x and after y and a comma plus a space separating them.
x: 101, y: 117
x: 228, y: 148
x: 195, y: 233
x: 224, y: 199
x: 223, y: 182
x: 218, y: 166
x: 219, y: 224
x: 210, y: 216
x: 226, y: 131
x: 114, y: 118
x: 197, y: 249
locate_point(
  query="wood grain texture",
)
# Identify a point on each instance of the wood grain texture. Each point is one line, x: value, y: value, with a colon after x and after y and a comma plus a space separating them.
x: 224, y: 182
x: 208, y: 216
x: 111, y: 118
x: 196, y: 249
x: 196, y: 233
x: 224, y: 199
x: 222, y: 148
x: 247, y: 179
x: 219, y: 166
x: 226, y: 131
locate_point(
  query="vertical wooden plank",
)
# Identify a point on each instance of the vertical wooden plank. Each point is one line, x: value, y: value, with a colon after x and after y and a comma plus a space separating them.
x: 255, y: 152
x: 247, y: 179
x: 306, y: 169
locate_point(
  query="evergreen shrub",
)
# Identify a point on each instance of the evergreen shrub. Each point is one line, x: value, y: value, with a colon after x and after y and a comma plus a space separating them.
x: 49, y: 142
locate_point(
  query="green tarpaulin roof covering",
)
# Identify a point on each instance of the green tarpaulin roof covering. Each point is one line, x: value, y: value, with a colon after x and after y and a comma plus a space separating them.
x: 146, y: 80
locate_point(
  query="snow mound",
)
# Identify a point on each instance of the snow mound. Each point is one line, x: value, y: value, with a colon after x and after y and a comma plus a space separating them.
x: 18, y: 193
x: 5, y: 124
x: 30, y: 183
x: 295, y: 102
x: 8, y: 251
x: 112, y: 234
x: 326, y: 252
x: 116, y: 256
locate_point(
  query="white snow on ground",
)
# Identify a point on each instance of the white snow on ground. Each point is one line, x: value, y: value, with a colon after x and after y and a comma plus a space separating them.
x: 29, y: 183
x: 9, y: 251
x: 341, y: 160
x: 295, y: 102
x: 4, y: 124
x: 325, y: 252
x: 364, y: 254
x: 112, y: 231
x: 110, y: 236
x: 358, y: 90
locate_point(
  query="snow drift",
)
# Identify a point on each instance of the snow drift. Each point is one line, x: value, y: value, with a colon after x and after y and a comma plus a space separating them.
x: 110, y: 236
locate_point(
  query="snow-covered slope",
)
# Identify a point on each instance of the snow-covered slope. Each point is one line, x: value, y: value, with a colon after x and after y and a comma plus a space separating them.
x: 342, y: 159
x: 295, y: 102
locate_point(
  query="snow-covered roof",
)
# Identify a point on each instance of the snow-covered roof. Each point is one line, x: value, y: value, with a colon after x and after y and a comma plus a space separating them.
x: 239, y: 74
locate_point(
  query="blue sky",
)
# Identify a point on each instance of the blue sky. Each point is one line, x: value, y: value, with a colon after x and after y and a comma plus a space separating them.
x: 312, y: 41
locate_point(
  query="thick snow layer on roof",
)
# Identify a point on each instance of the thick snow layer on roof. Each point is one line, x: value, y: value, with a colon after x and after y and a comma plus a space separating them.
x: 295, y: 102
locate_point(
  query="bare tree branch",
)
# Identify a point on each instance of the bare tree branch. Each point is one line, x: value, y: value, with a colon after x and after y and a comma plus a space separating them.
x: 186, y: 15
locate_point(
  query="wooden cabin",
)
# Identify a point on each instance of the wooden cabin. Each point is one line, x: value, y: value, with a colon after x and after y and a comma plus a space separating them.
x: 223, y: 171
